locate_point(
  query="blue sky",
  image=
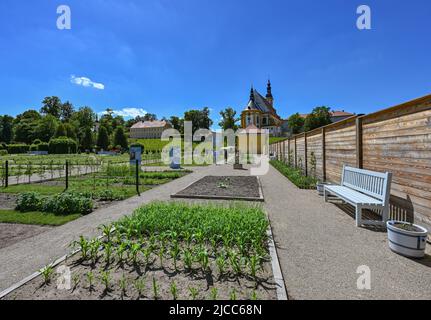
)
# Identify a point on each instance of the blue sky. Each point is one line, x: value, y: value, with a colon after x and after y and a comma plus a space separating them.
x: 167, y: 56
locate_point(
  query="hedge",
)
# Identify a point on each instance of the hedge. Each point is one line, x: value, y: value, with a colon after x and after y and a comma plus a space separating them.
x: 41, y: 146
x: 18, y: 148
x: 62, y: 145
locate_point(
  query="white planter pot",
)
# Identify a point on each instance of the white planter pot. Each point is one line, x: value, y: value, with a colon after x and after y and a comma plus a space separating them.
x: 407, y: 243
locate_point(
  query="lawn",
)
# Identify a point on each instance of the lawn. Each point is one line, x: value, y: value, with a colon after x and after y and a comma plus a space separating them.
x: 36, y: 218
x: 273, y: 140
x: 169, y: 251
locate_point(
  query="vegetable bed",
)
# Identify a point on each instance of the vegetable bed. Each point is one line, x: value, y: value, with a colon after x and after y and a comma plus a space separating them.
x: 169, y: 250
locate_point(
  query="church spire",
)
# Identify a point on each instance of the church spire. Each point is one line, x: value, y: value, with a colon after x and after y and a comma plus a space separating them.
x: 269, y: 96
x: 252, y: 94
x: 269, y: 89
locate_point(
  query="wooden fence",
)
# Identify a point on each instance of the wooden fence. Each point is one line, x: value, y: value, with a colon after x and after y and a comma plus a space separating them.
x: 396, y: 139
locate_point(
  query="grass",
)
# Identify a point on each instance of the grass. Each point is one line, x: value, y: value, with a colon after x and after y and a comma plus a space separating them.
x: 294, y: 175
x: 36, y: 218
x: 273, y: 140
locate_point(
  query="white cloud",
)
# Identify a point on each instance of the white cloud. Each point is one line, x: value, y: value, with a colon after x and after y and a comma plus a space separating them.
x: 86, y: 82
x: 127, y: 112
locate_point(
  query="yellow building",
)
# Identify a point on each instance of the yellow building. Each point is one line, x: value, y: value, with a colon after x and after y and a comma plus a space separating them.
x: 148, y: 129
x: 260, y: 112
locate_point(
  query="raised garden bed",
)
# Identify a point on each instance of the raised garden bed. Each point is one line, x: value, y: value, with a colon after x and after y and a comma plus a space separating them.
x: 246, y: 188
x: 169, y: 251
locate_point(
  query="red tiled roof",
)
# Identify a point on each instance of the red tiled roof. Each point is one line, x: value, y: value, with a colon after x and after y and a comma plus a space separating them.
x: 149, y: 124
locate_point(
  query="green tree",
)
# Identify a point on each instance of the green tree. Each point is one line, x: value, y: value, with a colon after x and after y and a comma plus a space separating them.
x: 24, y: 131
x: 296, y: 123
x: 319, y: 117
x: 87, y: 142
x: 46, y: 128
x: 229, y: 119
x: 61, y: 131
x: 28, y: 115
x: 51, y: 106
x: 199, y: 118
x: 177, y: 123
x: 149, y: 117
x: 66, y: 111
x: 103, y: 138
x: 6, y: 129
x: 120, y: 138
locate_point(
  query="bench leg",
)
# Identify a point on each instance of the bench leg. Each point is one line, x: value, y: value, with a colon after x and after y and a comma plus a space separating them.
x: 385, y: 214
x: 325, y: 195
x: 358, y: 216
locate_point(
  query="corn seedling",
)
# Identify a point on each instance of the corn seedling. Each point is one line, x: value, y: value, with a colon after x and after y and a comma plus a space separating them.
x: 147, y: 254
x: 105, y: 279
x: 84, y: 247
x: 188, y: 259
x: 90, y: 280
x: 174, y: 291
x: 108, y: 252
x: 120, y: 251
x: 75, y: 280
x: 123, y: 285
x: 175, y: 251
x: 47, y: 274
x: 232, y: 295
x: 193, y: 293
x: 140, y: 286
x: 155, y: 289
x: 203, y: 259
x: 221, y: 264
x: 107, y: 231
x: 94, y: 250
x: 161, y: 254
x: 254, y: 296
x: 254, y: 265
x: 134, y: 251
x: 214, y: 293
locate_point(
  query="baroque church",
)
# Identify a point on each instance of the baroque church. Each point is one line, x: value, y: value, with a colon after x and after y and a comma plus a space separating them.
x: 260, y: 113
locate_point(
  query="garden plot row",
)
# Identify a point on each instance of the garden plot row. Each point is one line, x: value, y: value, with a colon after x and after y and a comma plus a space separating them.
x: 168, y: 251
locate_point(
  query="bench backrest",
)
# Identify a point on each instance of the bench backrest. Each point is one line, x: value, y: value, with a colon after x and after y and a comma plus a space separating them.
x: 374, y: 184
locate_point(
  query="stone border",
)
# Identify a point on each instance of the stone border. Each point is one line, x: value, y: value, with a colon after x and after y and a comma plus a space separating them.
x: 233, y: 198
x: 276, y: 268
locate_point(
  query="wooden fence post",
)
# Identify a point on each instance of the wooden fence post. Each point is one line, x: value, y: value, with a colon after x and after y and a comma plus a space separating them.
x: 359, y: 148
x: 296, y: 158
x: 324, y: 154
x: 288, y: 152
x: 306, y: 154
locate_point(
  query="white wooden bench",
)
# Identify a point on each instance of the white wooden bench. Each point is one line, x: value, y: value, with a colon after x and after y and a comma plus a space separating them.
x: 363, y: 189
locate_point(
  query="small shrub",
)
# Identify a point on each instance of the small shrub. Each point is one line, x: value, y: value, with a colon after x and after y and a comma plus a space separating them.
x: 29, y: 201
x: 68, y: 203
x: 295, y: 175
x: 3, y: 153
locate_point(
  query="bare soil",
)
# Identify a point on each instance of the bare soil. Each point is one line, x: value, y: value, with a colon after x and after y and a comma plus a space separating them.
x: 165, y: 275
x: 235, y: 187
x: 14, y: 233
x: 7, y: 201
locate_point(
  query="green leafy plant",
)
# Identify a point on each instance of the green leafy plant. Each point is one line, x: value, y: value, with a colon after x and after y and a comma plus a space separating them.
x: 140, y: 286
x: 123, y: 285
x: 188, y: 259
x: 232, y: 295
x: 47, y: 274
x: 193, y: 293
x: 90, y: 280
x: 214, y: 293
x: 105, y: 279
x: 174, y: 291
x: 155, y: 289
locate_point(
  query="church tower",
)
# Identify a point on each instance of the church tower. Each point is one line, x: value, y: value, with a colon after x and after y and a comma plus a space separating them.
x: 269, y: 96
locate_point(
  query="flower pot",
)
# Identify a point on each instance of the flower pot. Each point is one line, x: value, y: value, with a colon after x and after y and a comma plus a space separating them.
x: 407, y: 239
x: 320, y: 187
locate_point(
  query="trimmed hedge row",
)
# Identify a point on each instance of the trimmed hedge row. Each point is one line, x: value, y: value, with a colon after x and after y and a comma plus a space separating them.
x: 295, y: 175
x: 63, y: 145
